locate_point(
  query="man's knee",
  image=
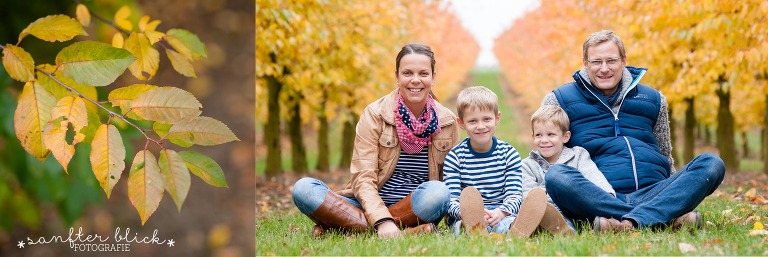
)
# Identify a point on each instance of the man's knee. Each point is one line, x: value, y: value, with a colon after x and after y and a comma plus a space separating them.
x: 713, y: 166
x: 558, y: 176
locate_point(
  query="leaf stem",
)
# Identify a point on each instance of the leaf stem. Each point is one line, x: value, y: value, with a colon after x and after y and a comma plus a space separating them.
x: 111, y: 113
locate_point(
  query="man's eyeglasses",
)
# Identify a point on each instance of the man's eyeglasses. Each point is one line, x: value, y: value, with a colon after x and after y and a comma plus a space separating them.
x: 612, y: 62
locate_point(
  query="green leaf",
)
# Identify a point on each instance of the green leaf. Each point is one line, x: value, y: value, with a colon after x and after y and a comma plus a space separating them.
x: 147, y: 57
x: 107, y: 157
x: 166, y: 104
x: 161, y: 129
x: 93, y: 63
x: 205, y: 168
x: 54, y: 137
x: 54, y: 28
x: 181, y: 64
x: 123, y: 96
x: 19, y: 63
x: 145, y: 184
x: 58, y: 91
x: 186, y: 43
x: 176, y: 176
x: 200, y: 131
x: 31, y: 116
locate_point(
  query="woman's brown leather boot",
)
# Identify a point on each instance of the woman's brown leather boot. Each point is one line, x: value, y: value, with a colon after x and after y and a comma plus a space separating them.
x: 336, y: 213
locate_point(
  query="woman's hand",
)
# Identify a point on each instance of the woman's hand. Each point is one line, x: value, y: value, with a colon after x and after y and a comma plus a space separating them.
x: 494, y: 217
x: 388, y: 230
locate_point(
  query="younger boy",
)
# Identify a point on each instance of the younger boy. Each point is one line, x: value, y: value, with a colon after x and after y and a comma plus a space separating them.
x: 483, y: 174
x: 550, y: 133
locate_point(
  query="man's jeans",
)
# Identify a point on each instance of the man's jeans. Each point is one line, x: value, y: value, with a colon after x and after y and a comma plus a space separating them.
x: 429, y: 200
x: 659, y: 203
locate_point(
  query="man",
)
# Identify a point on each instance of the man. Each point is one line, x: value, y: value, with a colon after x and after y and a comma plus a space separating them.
x: 624, y: 126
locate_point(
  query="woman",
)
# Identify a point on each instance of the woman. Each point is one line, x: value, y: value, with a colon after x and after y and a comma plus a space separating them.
x: 401, y: 142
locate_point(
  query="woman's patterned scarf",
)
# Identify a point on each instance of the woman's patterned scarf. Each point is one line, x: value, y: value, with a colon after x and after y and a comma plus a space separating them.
x: 415, y: 133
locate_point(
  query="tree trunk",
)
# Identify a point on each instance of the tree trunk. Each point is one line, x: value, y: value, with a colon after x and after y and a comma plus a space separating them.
x: 765, y: 137
x: 348, y: 142
x: 272, y: 128
x: 298, y: 150
x: 744, y: 146
x: 323, y: 158
x: 690, y: 127
x: 725, y: 132
x: 707, y: 135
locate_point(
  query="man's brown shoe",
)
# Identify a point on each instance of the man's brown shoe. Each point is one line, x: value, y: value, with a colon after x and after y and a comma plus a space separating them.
x: 691, y: 219
x: 610, y: 224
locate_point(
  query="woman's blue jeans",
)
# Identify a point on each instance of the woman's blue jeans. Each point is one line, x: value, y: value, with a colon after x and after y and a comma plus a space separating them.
x: 429, y: 200
x: 656, y: 204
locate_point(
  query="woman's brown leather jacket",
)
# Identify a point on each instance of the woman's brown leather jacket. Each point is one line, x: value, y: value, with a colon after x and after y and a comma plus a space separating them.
x: 377, y: 150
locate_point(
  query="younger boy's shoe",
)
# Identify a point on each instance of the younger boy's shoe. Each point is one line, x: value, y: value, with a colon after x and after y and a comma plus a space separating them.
x: 691, y: 219
x: 472, y: 211
x: 554, y: 222
x: 530, y: 214
x: 602, y: 225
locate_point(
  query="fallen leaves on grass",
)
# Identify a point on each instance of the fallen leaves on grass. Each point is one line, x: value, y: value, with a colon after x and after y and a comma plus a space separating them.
x: 758, y: 229
x: 686, y: 248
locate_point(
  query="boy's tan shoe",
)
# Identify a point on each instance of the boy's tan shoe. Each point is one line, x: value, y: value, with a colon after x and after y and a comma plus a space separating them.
x: 554, y: 222
x: 530, y: 214
x: 472, y: 211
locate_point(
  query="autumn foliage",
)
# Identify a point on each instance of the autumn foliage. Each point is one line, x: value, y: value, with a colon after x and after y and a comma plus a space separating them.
x: 320, y: 61
x: 59, y: 108
x: 704, y: 52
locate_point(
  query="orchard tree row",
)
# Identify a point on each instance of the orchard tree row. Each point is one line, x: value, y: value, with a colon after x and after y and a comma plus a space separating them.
x: 706, y: 57
x: 323, y: 61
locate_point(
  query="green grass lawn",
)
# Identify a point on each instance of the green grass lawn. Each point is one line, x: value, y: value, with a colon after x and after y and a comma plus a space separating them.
x: 725, y: 232
x: 728, y: 219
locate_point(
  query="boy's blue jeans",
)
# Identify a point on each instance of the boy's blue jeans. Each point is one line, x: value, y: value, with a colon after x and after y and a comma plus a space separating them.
x: 429, y: 200
x: 656, y: 204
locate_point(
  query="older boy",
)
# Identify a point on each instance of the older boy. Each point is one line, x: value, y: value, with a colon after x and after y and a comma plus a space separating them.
x: 483, y: 173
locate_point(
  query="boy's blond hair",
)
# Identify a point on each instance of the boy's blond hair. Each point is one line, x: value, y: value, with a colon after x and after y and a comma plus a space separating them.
x: 478, y: 97
x: 551, y: 113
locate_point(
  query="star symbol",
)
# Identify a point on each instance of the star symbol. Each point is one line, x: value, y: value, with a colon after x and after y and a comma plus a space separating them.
x: 170, y: 243
x: 21, y: 244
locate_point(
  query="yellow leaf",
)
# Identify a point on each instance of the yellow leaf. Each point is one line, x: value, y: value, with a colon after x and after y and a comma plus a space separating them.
x: 18, y: 63
x: 30, y: 118
x: 121, y: 18
x: 117, y: 40
x: 200, y: 131
x: 143, y: 23
x: 751, y: 192
x: 180, y: 63
x: 147, y: 57
x: 758, y: 226
x: 145, y: 184
x: 83, y: 15
x: 166, y: 104
x: 176, y: 175
x: 123, y: 96
x: 54, y: 137
x: 73, y: 109
x: 54, y: 28
x: 154, y: 36
x: 107, y: 157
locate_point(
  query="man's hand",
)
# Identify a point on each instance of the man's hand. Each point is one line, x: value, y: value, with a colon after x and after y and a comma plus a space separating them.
x: 495, y: 216
x: 388, y: 230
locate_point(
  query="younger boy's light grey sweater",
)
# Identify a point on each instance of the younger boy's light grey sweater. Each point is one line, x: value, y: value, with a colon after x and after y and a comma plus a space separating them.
x: 534, y: 167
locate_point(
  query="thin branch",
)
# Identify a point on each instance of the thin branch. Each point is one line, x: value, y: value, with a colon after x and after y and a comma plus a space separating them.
x: 111, y: 113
